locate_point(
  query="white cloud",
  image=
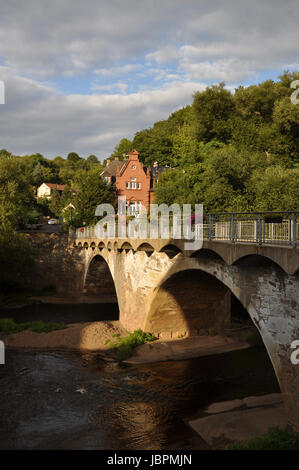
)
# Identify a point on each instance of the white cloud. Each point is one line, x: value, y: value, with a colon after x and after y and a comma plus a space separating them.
x: 166, y: 54
x: 118, y: 71
x: 170, y: 46
x: 35, y: 118
x: 110, y: 87
x: 228, y: 70
x: 69, y: 36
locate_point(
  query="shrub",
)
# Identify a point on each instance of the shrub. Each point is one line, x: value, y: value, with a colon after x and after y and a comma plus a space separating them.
x: 9, y: 326
x: 274, y: 439
x: 126, y: 345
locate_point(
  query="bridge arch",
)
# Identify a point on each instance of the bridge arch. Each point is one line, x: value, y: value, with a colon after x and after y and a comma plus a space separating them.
x: 147, y: 248
x: 255, y: 260
x: 126, y: 246
x: 98, y: 280
x: 189, y: 302
x: 207, y: 255
x: 171, y: 250
x: 231, y: 278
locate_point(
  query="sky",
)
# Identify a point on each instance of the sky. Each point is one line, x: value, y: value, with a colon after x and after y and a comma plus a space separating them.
x: 81, y: 75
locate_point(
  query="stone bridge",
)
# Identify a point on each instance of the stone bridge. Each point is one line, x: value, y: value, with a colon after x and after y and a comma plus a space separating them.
x: 166, y: 290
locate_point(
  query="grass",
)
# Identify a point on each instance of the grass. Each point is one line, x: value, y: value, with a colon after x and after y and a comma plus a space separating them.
x: 124, y: 346
x: 9, y: 326
x: 274, y: 439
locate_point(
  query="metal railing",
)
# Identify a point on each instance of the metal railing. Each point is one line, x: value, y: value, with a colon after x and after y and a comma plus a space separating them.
x: 275, y: 228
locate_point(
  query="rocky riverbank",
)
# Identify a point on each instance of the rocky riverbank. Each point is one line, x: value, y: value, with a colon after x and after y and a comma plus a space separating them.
x: 239, y: 420
x: 77, y: 336
x: 94, y: 336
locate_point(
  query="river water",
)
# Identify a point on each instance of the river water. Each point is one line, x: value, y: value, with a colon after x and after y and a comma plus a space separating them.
x: 68, y: 400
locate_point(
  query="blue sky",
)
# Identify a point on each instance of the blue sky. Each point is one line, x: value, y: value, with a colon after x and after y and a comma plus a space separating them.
x: 79, y: 76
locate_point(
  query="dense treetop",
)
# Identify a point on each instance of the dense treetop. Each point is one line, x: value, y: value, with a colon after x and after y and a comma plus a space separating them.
x: 228, y: 150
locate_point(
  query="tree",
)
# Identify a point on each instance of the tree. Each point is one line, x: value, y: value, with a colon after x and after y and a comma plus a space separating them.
x: 213, y: 108
x: 16, y: 202
x: 174, y: 186
x: 122, y: 149
x: 286, y: 122
x: 38, y: 175
x: 226, y: 177
x: 90, y: 191
x: 73, y: 157
x: 276, y: 188
x: 257, y: 100
x: 185, y: 147
x: 92, y: 159
x: 56, y: 203
x: 16, y: 193
x: 59, y: 162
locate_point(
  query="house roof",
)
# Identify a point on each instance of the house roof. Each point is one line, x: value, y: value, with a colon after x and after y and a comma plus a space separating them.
x: 59, y: 187
x: 111, y: 168
x: 156, y: 170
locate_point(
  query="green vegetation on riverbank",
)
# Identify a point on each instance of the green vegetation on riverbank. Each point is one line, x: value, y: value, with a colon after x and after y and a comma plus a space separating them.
x: 274, y: 439
x: 124, y: 346
x: 9, y: 326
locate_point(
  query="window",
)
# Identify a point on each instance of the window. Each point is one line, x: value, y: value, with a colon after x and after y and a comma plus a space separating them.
x: 107, y: 179
x: 133, y: 183
x: 138, y: 185
x: 133, y: 167
x: 132, y: 208
x: 127, y: 185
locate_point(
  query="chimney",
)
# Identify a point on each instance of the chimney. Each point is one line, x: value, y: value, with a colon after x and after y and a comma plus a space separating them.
x: 133, y: 155
x: 108, y: 161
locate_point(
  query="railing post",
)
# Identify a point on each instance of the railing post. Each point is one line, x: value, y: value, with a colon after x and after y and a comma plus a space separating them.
x: 294, y: 237
x: 210, y: 227
x: 233, y: 234
x: 259, y: 230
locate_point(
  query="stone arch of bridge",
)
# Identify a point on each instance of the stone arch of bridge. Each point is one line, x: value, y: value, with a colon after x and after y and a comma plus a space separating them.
x: 98, y: 279
x: 255, y: 259
x: 215, y: 274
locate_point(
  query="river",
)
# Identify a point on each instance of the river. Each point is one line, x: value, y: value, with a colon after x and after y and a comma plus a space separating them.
x: 69, y: 400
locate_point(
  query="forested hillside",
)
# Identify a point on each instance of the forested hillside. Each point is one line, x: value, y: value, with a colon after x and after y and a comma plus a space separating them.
x: 230, y: 150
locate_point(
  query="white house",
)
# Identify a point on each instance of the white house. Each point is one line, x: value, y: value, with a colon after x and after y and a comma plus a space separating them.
x: 46, y: 189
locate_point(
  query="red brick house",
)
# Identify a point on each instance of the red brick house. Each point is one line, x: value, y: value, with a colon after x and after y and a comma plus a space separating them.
x: 133, y: 180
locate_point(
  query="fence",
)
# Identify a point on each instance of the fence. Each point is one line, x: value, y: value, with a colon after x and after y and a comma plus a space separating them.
x: 276, y: 228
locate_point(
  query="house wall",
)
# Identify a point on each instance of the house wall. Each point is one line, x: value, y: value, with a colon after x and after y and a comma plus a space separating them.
x: 143, y: 194
x: 43, y: 191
